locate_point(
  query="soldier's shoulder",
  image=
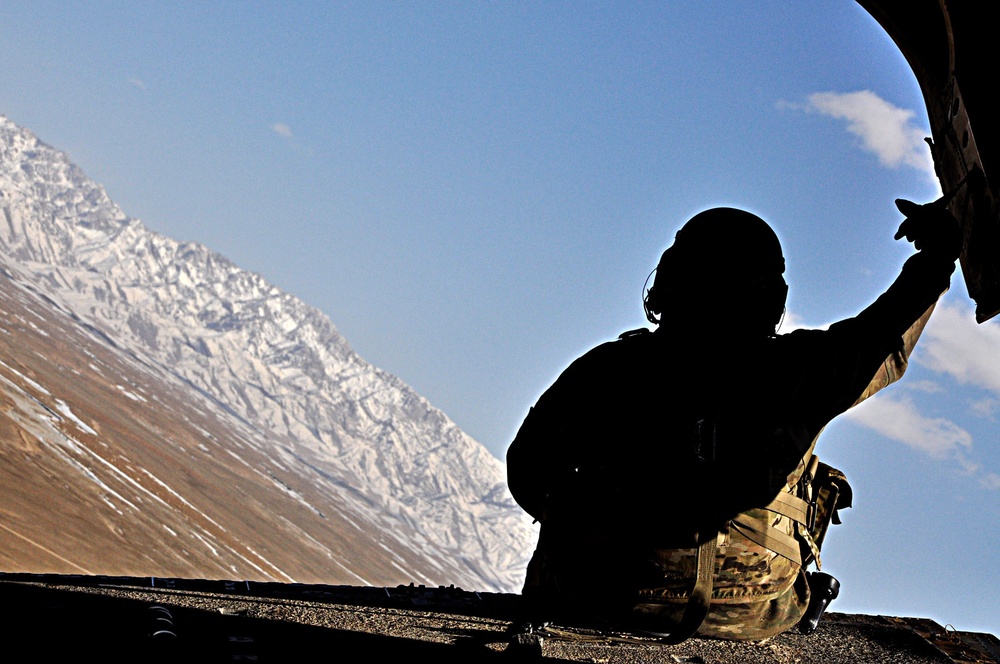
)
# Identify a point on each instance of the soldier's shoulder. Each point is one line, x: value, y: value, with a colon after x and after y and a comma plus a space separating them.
x: 638, y: 333
x: 612, y: 353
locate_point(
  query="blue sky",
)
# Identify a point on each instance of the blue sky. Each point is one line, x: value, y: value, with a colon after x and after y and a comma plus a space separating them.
x: 475, y: 193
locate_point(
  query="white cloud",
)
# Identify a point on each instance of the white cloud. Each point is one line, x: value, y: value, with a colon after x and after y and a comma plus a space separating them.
x: 282, y: 129
x: 928, y: 386
x: 990, y: 481
x: 885, y: 130
x: 783, y: 105
x: 899, y: 420
x: 985, y: 407
x: 137, y: 82
x: 954, y: 344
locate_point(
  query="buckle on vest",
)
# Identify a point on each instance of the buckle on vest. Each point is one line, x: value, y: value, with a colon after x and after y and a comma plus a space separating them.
x: 811, y: 511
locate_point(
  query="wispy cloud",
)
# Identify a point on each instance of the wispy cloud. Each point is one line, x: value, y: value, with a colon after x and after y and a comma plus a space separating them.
x: 986, y: 408
x: 990, y: 481
x: 137, y: 82
x: 928, y: 386
x: 899, y: 420
x: 282, y: 129
x: 954, y: 344
x: 885, y: 130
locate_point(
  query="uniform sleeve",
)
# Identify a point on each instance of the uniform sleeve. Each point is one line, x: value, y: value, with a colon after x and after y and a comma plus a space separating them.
x: 558, y: 432
x: 528, y: 462
x: 868, y: 352
x: 895, y: 363
x: 539, y: 454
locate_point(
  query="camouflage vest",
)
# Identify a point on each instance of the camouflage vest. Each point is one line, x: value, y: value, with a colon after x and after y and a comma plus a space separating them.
x: 745, y: 583
x: 751, y: 574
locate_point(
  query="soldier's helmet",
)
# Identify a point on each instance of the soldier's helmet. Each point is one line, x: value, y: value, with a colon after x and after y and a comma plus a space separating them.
x: 724, y: 268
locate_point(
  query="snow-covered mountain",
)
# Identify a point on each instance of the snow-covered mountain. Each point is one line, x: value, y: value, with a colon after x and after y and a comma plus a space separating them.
x: 206, y: 417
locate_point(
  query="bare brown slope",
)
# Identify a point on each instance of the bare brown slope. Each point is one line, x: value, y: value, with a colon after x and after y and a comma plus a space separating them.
x: 110, y: 466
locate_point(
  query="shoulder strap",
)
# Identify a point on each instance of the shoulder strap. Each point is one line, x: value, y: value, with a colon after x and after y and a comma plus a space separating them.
x: 700, y: 599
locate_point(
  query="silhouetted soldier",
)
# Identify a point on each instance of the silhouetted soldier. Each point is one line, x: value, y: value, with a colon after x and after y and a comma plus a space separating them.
x: 673, y: 471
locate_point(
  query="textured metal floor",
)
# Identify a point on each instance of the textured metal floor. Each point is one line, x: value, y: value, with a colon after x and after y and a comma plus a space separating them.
x: 53, y: 617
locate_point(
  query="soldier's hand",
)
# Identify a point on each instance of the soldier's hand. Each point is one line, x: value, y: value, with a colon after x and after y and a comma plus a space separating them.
x: 931, y: 228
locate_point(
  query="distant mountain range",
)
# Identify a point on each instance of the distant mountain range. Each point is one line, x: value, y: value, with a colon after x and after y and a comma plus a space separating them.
x: 165, y: 413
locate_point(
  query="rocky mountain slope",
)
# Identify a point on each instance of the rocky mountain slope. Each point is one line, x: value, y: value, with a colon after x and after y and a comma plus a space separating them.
x: 163, y: 412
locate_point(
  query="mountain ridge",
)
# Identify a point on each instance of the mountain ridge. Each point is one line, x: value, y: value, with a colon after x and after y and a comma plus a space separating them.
x: 259, y: 355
